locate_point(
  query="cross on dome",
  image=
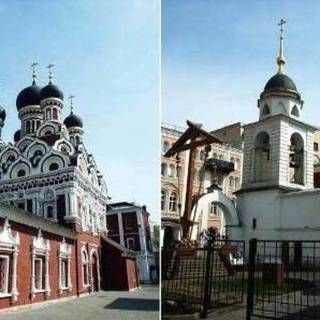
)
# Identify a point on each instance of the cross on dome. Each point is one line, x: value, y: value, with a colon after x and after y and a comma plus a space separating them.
x: 50, y: 67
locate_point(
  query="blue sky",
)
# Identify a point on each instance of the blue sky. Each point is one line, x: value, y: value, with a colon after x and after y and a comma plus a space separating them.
x: 106, y: 54
x: 218, y: 55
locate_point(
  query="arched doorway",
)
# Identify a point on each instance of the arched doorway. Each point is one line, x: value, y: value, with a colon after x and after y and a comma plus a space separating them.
x: 231, y: 219
x: 95, y: 272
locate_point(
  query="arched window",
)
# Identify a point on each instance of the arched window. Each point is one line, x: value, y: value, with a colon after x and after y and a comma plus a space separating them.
x: 165, y: 147
x: 54, y: 114
x: 295, y: 111
x: 28, y: 127
x: 262, y: 158
x: 21, y: 173
x: 213, y: 208
x: 173, y: 202
x: 164, y: 169
x: 163, y: 200
x: 172, y: 171
x: 77, y: 140
x: 50, y: 212
x: 38, y: 124
x: 265, y: 110
x: 32, y: 127
x: 296, y: 159
x: 85, y: 268
x: 48, y: 114
x: 53, y: 166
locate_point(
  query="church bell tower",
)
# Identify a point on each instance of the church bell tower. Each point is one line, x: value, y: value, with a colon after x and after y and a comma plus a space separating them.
x: 278, y: 148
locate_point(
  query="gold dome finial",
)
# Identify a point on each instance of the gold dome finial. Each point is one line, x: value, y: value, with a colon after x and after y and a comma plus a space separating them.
x: 281, y: 60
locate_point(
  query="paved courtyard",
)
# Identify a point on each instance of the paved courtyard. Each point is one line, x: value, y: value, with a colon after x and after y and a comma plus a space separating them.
x: 114, y: 305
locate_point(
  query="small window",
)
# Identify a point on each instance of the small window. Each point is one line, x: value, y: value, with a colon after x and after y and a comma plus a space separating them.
x: 165, y: 147
x: 4, y: 274
x: 55, y: 114
x: 254, y: 223
x: 213, y: 209
x: 265, y: 110
x: 173, y: 202
x: 295, y: 111
x: 163, y: 199
x: 21, y: 173
x: 130, y: 244
x: 64, y: 273
x: 163, y: 169
x: 315, y: 146
x: 38, y: 273
x: 28, y: 127
x: 53, y: 166
x: 50, y: 212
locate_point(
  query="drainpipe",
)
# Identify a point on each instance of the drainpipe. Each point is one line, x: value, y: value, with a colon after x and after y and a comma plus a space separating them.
x: 77, y: 266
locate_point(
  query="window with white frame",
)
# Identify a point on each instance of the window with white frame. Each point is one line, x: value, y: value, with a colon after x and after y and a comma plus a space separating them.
x: 4, y: 274
x: 64, y: 273
x: 64, y: 266
x: 40, y: 265
x: 39, y: 273
x: 85, y: 268
x: 9, y: 249
x: 173, y: 202
x: 213, y: 209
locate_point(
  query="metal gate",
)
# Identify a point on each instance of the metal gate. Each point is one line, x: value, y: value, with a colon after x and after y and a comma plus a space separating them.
x: 206, y: 277
x: 283, y: 280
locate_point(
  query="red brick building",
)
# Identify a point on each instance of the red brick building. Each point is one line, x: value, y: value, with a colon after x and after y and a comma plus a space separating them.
x: 41, y: 261
x: 128, y: 224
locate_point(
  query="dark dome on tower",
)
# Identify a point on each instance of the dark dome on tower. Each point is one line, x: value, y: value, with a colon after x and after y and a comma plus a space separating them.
x: 17, y: 135
x: 28, y: 96
x: 2, y: 114
x: 72, y: 120
x: 281, y: 83
x: 51, y: 91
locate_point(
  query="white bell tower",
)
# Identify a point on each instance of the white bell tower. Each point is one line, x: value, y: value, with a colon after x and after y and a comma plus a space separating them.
x: 278, y: 149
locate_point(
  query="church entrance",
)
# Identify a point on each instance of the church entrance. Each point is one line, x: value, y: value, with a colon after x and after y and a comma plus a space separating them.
x: 95, y: 277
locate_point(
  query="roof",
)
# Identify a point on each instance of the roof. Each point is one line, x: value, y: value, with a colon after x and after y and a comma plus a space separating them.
x: 22, y: 217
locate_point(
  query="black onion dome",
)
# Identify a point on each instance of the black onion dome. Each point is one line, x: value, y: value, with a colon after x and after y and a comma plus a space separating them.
x: 282, y: 82
x: 28, y: 96
x: 51, y: 91
x: 2, y: 114
x: 72, y: 120
x: 17, y: 135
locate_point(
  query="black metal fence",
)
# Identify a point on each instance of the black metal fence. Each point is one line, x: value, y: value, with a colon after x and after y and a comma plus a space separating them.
x: 284, y: 280
x: 204, y: 278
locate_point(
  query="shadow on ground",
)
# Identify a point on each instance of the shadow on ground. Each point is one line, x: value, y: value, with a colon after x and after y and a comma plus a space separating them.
x: 134, y: 304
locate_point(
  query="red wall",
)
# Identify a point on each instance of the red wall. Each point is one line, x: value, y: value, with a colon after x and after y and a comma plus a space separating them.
x: 24, y: 266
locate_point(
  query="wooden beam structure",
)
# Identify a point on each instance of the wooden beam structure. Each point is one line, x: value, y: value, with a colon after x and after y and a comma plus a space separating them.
x: 191, y: 139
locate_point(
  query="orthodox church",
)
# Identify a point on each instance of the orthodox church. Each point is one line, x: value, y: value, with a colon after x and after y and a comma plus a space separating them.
x: 277, y: 199
x: 53, y: 199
